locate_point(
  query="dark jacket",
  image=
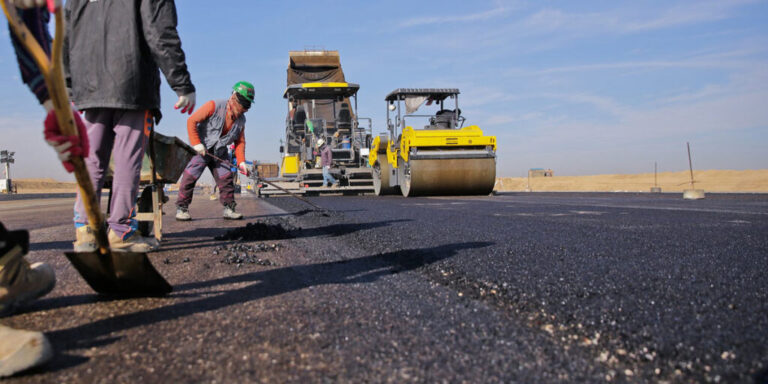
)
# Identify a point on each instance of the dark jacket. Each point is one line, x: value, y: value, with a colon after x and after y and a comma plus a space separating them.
x: 326, y: 156
x: 113, y: 49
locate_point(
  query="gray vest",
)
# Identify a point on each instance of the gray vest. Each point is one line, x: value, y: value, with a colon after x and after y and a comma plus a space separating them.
x: 210, y: 129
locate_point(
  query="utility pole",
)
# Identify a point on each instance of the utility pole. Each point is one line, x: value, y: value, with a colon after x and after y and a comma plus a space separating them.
x: 692, y: 193
x: 6, y: 157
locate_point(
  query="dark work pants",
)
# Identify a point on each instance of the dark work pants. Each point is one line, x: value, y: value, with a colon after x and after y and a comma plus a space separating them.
x: 222, y: 174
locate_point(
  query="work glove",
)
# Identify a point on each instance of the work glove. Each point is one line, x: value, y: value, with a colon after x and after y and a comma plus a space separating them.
x: 200, y: 149
x: 66, y: 146
x: 243, y: 167
x: 186, y: 103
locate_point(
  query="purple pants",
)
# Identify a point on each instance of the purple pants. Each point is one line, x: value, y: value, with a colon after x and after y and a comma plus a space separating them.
x: 222, y: 174
x: 121, y: 134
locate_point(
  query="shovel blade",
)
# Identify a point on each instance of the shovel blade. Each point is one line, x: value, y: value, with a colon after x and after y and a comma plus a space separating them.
x: 120, y: 273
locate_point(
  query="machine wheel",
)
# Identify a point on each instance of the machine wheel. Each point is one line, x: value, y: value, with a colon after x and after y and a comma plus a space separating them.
x: 404, y: 170
x: 381, y: 179
x: 447, y: 177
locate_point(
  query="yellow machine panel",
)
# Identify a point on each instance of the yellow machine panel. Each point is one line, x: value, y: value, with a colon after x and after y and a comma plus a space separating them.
x: 290, y: 165
x: 471, y: 136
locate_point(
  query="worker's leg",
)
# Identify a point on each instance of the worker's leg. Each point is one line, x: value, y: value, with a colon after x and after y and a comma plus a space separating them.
x: 21, y: 350
x: 327, y: 177
x: 192, y: 172
x: 20, y: 283
x: 100, y: 140
x: 131, y: 131
x: 224, y: 178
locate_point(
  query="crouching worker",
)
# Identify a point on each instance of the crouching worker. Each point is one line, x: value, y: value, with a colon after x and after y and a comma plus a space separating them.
x: 211, y: 129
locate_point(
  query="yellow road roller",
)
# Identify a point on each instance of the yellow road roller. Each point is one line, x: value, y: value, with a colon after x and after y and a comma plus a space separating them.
x: 440, y: 157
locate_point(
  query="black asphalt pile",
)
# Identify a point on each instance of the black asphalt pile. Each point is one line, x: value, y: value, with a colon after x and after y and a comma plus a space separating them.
x: 246, y: 254
x: 270, y: 229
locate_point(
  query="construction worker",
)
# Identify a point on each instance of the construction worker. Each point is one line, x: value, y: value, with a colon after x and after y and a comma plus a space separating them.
x: 20, y: 282
x: 326, y: 160
x: 123, y: 97
x: 216, y: 125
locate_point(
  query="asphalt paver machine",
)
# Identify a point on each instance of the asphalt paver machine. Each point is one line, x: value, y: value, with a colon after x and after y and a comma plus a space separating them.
x: 439, y: 157
x: 322, y: 104
x: 325, y: 111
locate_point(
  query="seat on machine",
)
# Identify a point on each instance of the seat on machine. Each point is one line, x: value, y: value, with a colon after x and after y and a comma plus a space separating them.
x: 444, y: 119
x: 298, y: 120
x: 344, y: 120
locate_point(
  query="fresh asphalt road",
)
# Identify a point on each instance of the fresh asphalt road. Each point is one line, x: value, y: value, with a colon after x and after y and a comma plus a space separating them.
x: 509, y: 288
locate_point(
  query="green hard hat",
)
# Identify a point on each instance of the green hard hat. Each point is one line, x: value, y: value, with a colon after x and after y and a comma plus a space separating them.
x: 244, y: 89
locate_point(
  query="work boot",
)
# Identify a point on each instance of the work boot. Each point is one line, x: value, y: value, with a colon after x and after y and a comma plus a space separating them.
x: 21, y: 349
x: 230, y: 214
x: 85, y: 239
x: 20, y: 283
x: 182, y: 214
x: 133, y: 243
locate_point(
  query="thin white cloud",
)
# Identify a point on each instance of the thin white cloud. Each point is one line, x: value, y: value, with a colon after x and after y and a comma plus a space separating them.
x: 694, y: 13
x: 499, y: 11
x: 552, y: 20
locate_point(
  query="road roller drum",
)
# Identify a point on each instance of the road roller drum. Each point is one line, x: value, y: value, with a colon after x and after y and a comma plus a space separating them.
x: 448, y: 177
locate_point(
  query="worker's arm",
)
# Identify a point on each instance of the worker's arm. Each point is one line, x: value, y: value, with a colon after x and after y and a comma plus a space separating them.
x: 36, y: 19
x: 199, y: 116
x: 158, y: 20
x: 240, y: 148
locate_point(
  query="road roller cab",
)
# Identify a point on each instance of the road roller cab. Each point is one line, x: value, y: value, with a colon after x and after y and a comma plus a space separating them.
x: 431, y: 152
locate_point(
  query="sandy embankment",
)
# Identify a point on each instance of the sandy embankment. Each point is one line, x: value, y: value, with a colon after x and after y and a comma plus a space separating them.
x: 750, y: 181
x: 44, y: 186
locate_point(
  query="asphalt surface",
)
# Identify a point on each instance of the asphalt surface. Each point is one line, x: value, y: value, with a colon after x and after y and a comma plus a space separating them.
x: 510, y: 288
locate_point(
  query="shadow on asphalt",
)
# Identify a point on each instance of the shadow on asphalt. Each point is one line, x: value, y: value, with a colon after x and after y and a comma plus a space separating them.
x: 264, y: 284
x: 335, y: 230
x: 64, y: 246
x: 266, y: 231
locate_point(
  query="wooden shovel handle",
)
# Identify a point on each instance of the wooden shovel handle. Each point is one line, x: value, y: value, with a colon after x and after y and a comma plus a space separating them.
x: 53, y: 74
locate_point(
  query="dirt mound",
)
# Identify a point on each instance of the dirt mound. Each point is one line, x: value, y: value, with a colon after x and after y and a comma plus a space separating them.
x: 749, y: 181
x: 47, y: 185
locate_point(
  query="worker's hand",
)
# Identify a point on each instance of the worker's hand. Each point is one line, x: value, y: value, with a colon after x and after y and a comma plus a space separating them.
x: 243, y: 167
x: 66, y: 146
x: 186, y: 103
x: 199, y: 148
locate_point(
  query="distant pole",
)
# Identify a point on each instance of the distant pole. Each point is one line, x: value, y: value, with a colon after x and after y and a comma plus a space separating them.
x: 655, y: 177
x: 529, y: 181
x: 690, y: 163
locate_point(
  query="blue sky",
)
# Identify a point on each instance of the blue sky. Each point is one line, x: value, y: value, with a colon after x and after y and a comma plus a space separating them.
x: 587, y: 87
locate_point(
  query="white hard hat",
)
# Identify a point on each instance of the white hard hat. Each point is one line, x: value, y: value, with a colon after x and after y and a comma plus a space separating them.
x: 320, y: 142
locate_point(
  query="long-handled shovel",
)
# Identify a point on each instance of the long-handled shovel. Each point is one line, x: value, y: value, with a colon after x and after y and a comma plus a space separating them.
x: 229, y: 164
x: 124, y: 273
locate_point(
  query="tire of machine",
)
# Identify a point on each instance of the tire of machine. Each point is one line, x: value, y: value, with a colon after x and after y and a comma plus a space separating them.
x: 448, y: 177
x: 381, y: 173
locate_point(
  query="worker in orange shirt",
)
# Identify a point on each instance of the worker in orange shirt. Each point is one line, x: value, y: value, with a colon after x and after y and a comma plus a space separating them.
x: 212, y: 128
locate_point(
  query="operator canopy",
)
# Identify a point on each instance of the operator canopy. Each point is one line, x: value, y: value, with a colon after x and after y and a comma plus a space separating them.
x: 320, y: 91
x: 415, y: 97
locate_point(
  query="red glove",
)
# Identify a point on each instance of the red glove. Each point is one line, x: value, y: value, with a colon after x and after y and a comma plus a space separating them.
x: 66, y: 146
